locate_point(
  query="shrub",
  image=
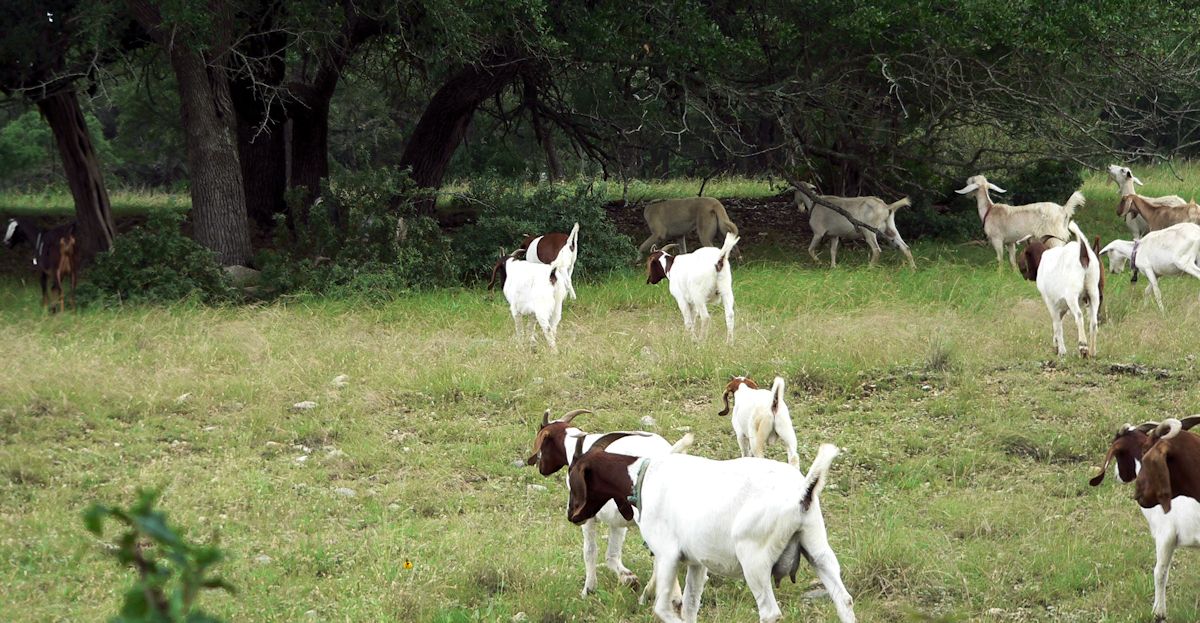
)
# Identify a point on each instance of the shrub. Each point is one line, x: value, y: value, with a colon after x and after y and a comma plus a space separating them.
x: 361, y: 239
x: 155, y: 263
x: 171, y: 574
x: 1043, y: 180
x: 510, y: 213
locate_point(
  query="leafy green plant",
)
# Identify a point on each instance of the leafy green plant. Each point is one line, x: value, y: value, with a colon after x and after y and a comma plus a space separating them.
x: 361, y: 239
x: 171, y: 571
x: 509, y: 213
x: 155, y: 263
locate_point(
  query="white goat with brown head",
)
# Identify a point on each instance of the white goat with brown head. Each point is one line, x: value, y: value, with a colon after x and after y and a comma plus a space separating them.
x: 760, y: 416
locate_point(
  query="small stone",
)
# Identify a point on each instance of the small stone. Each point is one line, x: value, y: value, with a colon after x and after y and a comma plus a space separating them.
x: 242, y: 276
x: 302, y: 458
x: 538, y: 488
x: 818, y: 593
x: 518, y: 463
x: 183, y: 398
x: 345, y: 492
x: 340, y: 380
x: 520, y: 616
x: 262, y: 559
x: 648, y: 422
x: 995, y: 612
x: 312, y: 614
x: 393, y: 507
x: 304, y: 405
x: 335, y: 454
x: 926, y: 387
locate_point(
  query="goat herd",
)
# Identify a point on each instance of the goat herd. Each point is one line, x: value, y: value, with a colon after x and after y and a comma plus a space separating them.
x: 757, y: 518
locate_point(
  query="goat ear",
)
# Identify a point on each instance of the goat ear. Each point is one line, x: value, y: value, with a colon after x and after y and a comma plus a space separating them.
x: 725, y: 397
x: 1136, y: 180
x: 625, y: 508
x: 1099, y: 478
x: 996, y: 188
x: 969, y: 188
x: 1153, y: 482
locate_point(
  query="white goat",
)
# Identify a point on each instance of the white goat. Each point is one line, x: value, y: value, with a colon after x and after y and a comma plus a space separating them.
x: 697, y: 278
x: 1004, y: 224
x: 873, y: 211
x: 750, y: 517
x: 1178, y: 528
x: 1169, y: 251
x: 760, y: 416
x: 557, y: 444
x: 537, y: 290
x: 1068, y: 277
x: 1125, y: 180
x: 545, y: 249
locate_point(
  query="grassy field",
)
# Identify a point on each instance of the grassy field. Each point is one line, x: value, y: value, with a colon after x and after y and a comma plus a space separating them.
x: 961, y: 492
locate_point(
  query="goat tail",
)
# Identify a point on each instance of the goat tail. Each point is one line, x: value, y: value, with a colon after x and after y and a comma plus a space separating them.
x: 1085, y: 251
x: 814, y: 481
x: 573, y: 239
x: 903, y: 203
x: 776, y: 394
x: 681, y: 446
x: 730, y: 240
x: 1074, y: 203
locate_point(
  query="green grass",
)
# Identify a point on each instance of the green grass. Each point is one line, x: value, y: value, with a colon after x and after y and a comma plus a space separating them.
x: 60, y: 203
x: 961, y: 492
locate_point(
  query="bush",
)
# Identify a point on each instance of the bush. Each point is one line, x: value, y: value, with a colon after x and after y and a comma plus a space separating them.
x: 171, y: 573
x: 361, y: 239
x: 510, y: 213
x: 1043, y: 180
x: 155, y: 263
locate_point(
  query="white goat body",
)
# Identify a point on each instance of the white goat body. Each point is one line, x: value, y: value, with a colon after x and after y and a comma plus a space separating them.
x: 1005, y: 224
x: 544, y: 250
x: 873, y: 211
x: 735, y: 518
x: 537, y: 290
x: 1066, y: 284
x: 1170, y: 251
x: 761, y: 416
x: 695, y: 279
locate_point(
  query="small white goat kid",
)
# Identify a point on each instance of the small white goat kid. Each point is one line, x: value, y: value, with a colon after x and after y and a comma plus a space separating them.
x: 1068, y: 278
x: 1004, y: 224
x: 537, y: 290
x: 1170, y: 251
x: 697, y: 278
x: 760, y: 416
x: 747, y: 517
x: 873, y: 211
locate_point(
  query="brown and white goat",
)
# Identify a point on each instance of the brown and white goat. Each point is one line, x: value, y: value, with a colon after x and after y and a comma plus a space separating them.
x: 556, y: 445
x: 1133, y: 449
x: 1158, y: 216
x: 546, y: 248
x: 1068, y: 278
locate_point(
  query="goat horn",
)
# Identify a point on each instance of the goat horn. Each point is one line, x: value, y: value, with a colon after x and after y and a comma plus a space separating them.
x: 1189, y: 421
x: 664, y: 249
x: 546, y: 417
x: 1168, y: 429
x: 1145, y: 427
x: 571, y: 415
x: 517, y: 253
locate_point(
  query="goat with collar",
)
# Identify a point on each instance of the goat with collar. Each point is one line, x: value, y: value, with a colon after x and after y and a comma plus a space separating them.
x: 697, y: 278
x: 749, y: 517
x: 1168, y: 504
x: 1170, y: 251
x: 55, y: 255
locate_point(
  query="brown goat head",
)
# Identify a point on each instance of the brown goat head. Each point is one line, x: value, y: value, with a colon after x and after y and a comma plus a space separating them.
x: 732, y: 387
x: 658, y: 266
x: 596, y: 477
x: 1171, y: 467
x: 549, y: 445
x: 1127, y: 448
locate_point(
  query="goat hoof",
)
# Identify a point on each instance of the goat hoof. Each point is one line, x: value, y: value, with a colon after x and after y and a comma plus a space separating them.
x: 630, y: 579
x: 586, y: 591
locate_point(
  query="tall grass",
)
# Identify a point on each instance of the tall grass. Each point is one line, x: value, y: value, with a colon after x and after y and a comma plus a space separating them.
x: 961, y: 493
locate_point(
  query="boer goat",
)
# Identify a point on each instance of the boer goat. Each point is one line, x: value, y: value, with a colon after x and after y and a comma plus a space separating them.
x: 760, y: 416
x: 544, y: 249
x: 1005, y: 224
x: 1068, y: 277
x: 671, y: 219
x: 1170, y: 251
x: 873, y: 211
x: 749, y: 516
x: 557, y: 444
x: 1124, y: 178
x: 697, y: 278
x: 1139, y: 458
x: 55, y: 256
x: 537, y: 290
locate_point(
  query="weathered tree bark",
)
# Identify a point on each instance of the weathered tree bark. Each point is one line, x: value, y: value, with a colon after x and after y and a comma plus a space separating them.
x: 209, y: 125
x: 93, y: 212
x: 442, y: 126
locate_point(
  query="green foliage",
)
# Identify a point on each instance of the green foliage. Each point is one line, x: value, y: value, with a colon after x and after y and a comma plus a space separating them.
x: 26, y: 148
x: 362, y: 238
x: 511, y: 213
x: 171, y: 572
x: 1044, y: 180
x: 155, y: 263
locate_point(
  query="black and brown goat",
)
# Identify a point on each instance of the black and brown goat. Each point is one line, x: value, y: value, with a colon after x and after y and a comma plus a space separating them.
x: 55, y: 256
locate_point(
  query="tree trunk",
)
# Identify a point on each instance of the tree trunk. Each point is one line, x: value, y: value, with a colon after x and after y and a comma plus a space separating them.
x: 93, y: 213
x: 209, y: 125
x: 544, y: 137
x: 310, y: 140
x: 442, y: 126
x: 260, y: 124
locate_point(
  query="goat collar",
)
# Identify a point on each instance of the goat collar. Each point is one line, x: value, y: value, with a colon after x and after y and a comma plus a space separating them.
x: 635, y: 498
x: 987, y: 213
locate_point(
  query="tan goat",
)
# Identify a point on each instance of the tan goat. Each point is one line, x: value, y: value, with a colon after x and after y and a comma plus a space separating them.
x: 670, y: 219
